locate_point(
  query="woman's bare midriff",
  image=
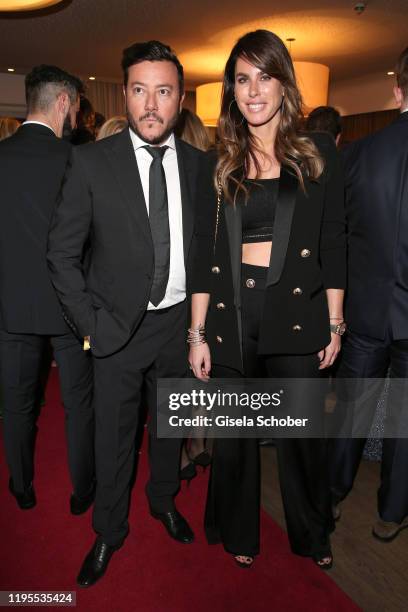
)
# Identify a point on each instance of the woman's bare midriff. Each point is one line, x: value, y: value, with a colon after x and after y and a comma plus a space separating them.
x: 257, y: 253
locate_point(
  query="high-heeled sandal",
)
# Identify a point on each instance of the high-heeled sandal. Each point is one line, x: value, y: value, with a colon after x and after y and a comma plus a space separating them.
x: 320, y: 561
x: 244, y: 564
x: 188, y: 472
x: 203, y: 459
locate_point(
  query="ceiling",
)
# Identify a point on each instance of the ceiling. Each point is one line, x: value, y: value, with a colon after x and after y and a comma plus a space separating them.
x: 86, y: 37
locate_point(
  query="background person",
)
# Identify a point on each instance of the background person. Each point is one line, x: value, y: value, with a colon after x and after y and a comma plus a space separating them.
x: 325, y: 119
x: 8, y: 126
x: 112, y: 126
x: 376, y: 176
x: 191, y: 129
x: 32, y: 166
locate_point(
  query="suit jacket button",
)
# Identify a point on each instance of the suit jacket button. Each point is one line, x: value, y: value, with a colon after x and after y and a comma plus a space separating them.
x: 297, y: 328
x: 221, y: 306
x: 297, y: 291
x: 215, y: 270
x: 305, y: 253
x: 219, y: 339
x: 250, y: 283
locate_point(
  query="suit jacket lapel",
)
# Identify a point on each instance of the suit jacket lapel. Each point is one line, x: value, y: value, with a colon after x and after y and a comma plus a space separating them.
x: 123, y: 160
x: 288, y: 186
x: 233, y: 220
x: 187, y: 173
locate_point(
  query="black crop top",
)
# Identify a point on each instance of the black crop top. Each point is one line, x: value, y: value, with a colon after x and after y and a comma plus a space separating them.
x: 258, y: 213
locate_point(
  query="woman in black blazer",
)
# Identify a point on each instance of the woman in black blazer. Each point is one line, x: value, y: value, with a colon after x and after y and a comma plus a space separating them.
x: 267, y: 292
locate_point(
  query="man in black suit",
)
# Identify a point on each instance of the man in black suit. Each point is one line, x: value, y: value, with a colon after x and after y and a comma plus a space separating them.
x: 131, y: 196
x: 32, y: 166
x: 376, y: 170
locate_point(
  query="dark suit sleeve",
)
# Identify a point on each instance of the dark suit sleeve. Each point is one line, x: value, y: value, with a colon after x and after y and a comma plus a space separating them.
x: 69, y: 231
x: 204, y: 229
x: 333, y: 232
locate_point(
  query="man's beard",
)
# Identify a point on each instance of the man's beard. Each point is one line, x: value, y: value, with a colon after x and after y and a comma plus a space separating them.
x: 157, y: 139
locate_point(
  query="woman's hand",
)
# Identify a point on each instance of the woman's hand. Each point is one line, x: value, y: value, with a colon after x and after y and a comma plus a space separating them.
x: 200, y: 361
x: 328, y: 355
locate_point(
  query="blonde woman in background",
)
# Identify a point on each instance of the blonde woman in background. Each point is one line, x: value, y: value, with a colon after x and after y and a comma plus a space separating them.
x: 191, y: 129
x: 112, y: 126
x: 8, y: 125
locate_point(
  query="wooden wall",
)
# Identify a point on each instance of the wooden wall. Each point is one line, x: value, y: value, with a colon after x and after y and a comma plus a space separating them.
x: 358, y: 126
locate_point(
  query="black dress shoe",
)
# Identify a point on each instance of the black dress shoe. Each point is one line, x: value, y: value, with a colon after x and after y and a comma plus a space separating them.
x: 25, y: 500
x: 96, y: 563
x: 79, y: 505
x: 176, y: 525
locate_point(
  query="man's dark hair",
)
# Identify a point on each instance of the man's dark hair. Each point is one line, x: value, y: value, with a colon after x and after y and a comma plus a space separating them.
x: 324, y: 119
x: 45, y: 83
x: 151, y: 51
x: 402, y: 73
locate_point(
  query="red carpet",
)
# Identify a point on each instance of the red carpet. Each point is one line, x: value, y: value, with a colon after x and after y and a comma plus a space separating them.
x: 41, y: 549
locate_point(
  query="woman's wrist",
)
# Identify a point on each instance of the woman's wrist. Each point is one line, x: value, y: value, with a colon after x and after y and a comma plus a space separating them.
x: 196, y: 335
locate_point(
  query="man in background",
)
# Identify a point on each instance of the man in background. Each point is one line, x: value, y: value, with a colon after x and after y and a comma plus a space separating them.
x: 32, y: 166
x: 325, y: 119
x: 376, y: 178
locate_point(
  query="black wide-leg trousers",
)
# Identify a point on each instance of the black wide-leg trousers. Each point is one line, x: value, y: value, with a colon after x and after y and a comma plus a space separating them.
x: 362, y: 359
x: 21, y: 362
x: 158, y: 349
x: 233, y: 503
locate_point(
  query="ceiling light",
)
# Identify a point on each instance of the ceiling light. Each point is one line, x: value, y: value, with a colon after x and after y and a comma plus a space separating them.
x: 208, y: 103
x: 10, y: 69
x: 313, y: 82
x: 92, y: 78
x: 25, y: 5
x: 390, y: 72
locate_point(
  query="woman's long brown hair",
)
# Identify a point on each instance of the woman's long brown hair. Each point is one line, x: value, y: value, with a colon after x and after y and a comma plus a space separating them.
x: 237, y: 147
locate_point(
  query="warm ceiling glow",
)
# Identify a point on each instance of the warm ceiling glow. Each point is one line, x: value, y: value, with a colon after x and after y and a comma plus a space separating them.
x: 92, y: 78
x: 10, y: 69
x: 25, y: 5
x: 390, y: 72
x: 313, y: 82
x: 208, y: 103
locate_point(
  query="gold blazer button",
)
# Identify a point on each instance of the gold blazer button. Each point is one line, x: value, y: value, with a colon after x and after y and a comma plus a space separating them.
x: 219, y: 339
x: 297, y: 291
x: 215, y: 270
x: 221, y: 306
x: 297, y: 328
x: 305, y: 253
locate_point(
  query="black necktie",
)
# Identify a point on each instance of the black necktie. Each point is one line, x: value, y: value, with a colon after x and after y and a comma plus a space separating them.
x: 159, y: 224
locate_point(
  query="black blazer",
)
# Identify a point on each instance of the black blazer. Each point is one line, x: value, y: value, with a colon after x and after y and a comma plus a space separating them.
x: 103, y: 207
x: 32, y: 165
x: 376, y: 177
x: 308, y: 253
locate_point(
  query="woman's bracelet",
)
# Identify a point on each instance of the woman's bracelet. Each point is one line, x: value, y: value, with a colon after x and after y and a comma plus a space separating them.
x: 196, y: 336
